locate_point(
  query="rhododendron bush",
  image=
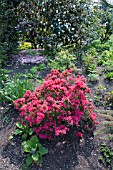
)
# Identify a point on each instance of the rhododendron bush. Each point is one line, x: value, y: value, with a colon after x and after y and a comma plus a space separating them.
x: 59, y: 103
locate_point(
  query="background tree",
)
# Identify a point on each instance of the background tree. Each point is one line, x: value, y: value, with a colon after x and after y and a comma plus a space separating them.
x: 8, y: 19
x: 52, y: 22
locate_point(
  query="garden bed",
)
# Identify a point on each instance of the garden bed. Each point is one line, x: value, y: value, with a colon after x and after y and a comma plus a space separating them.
x: 68, y: 152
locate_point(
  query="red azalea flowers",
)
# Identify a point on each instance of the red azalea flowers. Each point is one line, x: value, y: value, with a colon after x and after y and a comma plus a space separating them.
x: 79, y: 134
x: 57, y: 104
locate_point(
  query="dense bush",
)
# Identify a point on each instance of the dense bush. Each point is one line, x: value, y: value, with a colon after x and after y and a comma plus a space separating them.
x: 49, y: 22
x: 60, y: 102
x: 64, y: 59
x: 107, y: 21
x: 99, y: 54
x: 8, y: 23
x: 3, y: 55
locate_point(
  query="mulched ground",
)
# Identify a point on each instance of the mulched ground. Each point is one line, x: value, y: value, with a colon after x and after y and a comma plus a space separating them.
x: 66, y: 152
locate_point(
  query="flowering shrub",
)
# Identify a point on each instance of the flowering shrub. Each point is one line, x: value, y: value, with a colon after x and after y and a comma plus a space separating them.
x: 60, y: 102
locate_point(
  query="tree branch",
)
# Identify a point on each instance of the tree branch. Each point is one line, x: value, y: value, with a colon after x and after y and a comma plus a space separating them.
x: 107, y: 3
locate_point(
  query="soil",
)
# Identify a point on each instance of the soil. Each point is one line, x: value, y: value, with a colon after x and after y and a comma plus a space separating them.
x: 67, y: 152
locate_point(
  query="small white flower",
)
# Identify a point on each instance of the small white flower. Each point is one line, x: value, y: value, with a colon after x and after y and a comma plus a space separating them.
x: 57, y: 11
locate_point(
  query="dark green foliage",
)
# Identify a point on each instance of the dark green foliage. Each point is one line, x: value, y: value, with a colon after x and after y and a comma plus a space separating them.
x: 24, y: 131
x: 31, y: 144
x: 106, y: 155
x: 8, y: 23
x: 48, y: 23
x: 34, y: 150
x: 107, y: 22
x: 3, y: 55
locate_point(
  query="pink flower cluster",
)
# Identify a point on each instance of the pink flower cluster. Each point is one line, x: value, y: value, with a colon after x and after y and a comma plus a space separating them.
x: 57, y: 104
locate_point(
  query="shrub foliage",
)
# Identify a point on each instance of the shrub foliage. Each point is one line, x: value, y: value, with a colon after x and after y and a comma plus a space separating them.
x: 8, y: 23
x: 48, y: 23
x: 60, y: 102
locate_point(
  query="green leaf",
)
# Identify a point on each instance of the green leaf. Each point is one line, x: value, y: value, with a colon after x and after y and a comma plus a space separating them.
x: 111, y: 154
x: 107, y: 155
x: 26, y: 147
x: 9, y: 98
x: 30, y: 131
x: 43, y: 150
x: 24, y: 136
x: 10, y: 138
x: 28, y: 160
x: 108, y: 161
x: 39, y: 145
x: 33, y: 142
x: 35, y: 156
x: 19, y: 125
x: 18, y: 132
x: 100, y: 158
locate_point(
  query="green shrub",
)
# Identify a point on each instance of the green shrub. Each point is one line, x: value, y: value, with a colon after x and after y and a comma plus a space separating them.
x: 23, y: 130
x: 15, y: 88
x: 3, y: 55
x: 24, y: 46
x: 93, y: 77
x: 8, y: 23
x: 34, y: 150
x: 106, y: 156
x: 49, y: 23
x: 109, y: 76
x: 63, y: 60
